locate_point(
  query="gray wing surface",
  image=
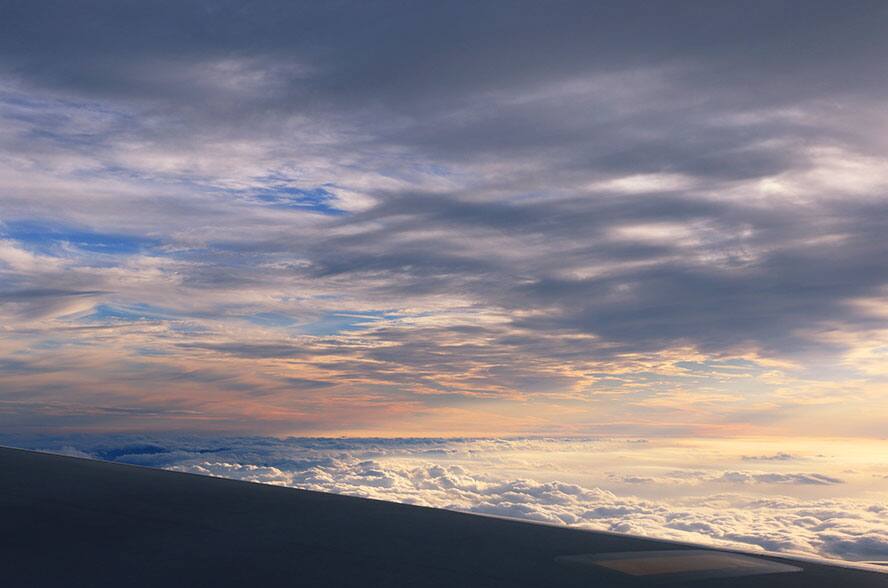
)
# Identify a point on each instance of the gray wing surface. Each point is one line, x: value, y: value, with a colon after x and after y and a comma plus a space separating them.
x: 75, y: 522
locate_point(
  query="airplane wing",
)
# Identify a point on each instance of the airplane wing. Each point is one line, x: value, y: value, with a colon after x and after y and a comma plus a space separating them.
x: 71, y: 522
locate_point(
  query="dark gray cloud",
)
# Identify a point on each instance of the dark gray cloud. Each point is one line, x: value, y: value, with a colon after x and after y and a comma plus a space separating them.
x: 27, y: 295
x: 409, y: 50
x: 761, y: 288
x: 35, y: 303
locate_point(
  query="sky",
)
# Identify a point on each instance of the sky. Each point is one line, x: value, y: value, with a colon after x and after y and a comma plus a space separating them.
x: 478, y: 218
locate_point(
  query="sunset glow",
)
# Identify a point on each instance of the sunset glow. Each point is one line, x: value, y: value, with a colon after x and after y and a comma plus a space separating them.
x: 455, y: 220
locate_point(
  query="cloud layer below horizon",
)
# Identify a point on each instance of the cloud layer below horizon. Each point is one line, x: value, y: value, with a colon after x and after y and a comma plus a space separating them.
x: 394, y: 218
x: 694, y: 491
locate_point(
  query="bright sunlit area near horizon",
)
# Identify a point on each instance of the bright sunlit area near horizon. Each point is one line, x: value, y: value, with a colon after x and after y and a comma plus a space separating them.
x: 620, y: 266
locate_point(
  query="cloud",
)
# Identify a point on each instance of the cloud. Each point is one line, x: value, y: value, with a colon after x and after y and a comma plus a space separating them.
x: 690, y: 477
x: 422, y: 471
x: 794, y: 526
x: 775, y: 478
x: 828, y: 528
x: 779, y: 456
x: 537, y: 206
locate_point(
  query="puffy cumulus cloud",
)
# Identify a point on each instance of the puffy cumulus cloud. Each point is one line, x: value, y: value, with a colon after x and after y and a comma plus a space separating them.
x: 339, y: 216
x: 705, y: 505
x: 835, y: 528
x: 248, y: 472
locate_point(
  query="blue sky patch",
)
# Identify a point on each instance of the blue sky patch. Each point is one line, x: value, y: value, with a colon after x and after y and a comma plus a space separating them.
x: 328, y: 324
x: 271, y: 319
x: 128, y: 313
x: 337, y: 322
x: 46, y: 237
x: 312, y: 200
x: 736, y: 365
